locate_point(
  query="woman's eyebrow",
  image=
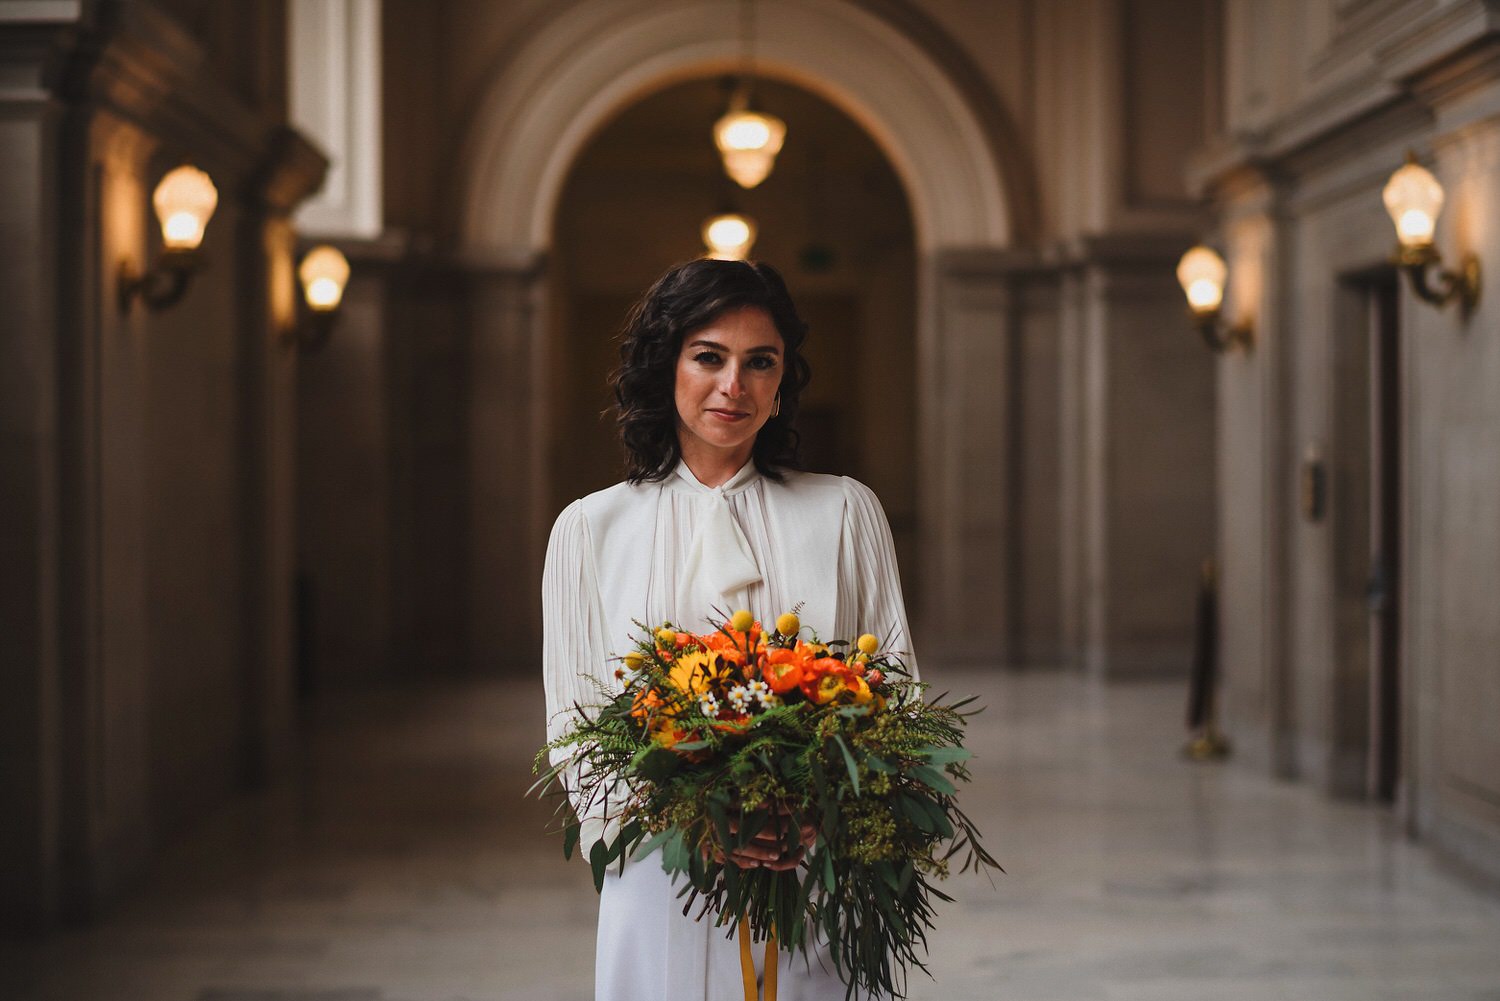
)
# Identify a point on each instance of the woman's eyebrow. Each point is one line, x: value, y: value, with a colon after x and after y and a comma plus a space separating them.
x: 771, y: 348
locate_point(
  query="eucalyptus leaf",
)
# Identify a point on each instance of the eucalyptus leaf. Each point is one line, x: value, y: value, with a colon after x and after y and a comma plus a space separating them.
x: 934, y: 779
x: 849, y: 762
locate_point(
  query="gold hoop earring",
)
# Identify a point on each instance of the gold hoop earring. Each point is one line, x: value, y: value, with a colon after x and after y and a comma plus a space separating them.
x: 776, y: 404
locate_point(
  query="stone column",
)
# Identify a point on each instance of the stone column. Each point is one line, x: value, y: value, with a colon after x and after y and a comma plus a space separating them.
x: 1139, y: 464
x: 268, y: 367
x: 31, y: 499
x: 1255, y: 483
x: 509, y: 516
x: 964, y: 380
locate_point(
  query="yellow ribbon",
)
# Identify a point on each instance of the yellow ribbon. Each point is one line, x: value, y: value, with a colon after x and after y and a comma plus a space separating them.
x: 747, y: 964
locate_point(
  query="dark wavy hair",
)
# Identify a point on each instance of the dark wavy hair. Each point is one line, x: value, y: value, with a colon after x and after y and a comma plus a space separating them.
x: 687, y: 298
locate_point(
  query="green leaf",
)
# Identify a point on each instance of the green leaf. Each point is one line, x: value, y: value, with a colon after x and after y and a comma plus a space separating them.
x: 879, y: 765
x: 599, y: 860
x: 828, y: 880
x: 720, y: 818
x: 656, y: 764
x: 934, y: 779
x: 571, y: 833
x: 674, y: 852
x: 654, y: 842
x: 944, y: 755
x: 849, y: 762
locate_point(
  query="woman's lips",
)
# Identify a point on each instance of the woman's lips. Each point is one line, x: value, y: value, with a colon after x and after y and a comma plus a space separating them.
x: 729, y: 416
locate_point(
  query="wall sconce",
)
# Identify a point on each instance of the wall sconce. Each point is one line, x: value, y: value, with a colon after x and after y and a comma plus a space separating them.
x: 729, y: 236
x: 1414, y: 198
x: 184, y: 200
x: 1202, y: 273
x: 324, y: 273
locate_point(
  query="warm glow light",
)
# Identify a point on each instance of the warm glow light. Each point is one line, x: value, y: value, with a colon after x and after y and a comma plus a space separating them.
x: 184, y: 200
x: 1201, y: 273
x: 1414, y: 198
x: 729, y: 236
x: 324, y: 273
x: 749, y: 141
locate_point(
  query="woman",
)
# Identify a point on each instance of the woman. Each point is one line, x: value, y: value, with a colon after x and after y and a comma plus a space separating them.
x: 712, y: 513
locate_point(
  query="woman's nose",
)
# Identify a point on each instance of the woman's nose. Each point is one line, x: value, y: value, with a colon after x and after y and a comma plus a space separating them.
x: 730, y: 384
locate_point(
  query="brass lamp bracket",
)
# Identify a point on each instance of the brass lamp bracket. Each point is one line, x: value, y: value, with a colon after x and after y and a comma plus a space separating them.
x: 163, y: 284
x: 1463, y: 285
x: 1222, y: 336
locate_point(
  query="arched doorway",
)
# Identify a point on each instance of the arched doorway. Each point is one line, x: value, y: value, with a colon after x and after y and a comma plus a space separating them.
x: 832, y: 217
x: 576, y: 73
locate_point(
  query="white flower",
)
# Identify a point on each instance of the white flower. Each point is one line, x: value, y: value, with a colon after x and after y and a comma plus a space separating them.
x: 708, y: 705
x: 761, y: 692
x: 739, y: 698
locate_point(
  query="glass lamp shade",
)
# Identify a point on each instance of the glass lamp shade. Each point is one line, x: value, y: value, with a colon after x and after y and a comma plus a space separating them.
x: 1414, y: 198
x: 1202, y: 272
x: 184, y: 200
x: 324, y: 273
x: 729, y: 236
x: 748, y: 141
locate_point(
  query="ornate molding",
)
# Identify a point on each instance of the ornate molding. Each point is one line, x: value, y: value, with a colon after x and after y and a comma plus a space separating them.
x: 135, y: 62
x: 1438, y: 59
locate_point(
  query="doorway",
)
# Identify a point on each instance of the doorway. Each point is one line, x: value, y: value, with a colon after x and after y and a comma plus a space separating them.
x: 1366, y: 467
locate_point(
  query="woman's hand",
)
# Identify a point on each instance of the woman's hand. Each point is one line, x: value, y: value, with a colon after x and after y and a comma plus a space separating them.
x: 766, y: 849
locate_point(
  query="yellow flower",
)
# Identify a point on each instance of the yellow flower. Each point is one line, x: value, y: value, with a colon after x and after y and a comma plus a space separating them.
x: 666, y: 637
x: 633, y: 660
x: 830, y: 687
x: 787, y: 624
x: 741, y: 621
x: 666, y: 732
x: 696, y: 671
x: 868, y: 643
x: 860, y: 689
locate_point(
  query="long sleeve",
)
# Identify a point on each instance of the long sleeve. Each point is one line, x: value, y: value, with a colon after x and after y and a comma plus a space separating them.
x: 573, y: 646
x: 869, y: 580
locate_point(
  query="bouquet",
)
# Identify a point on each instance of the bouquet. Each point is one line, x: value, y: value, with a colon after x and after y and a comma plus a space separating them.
x: 716, y: 738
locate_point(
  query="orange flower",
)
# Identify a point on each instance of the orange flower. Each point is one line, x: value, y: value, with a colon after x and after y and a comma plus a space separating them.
x: 734, y: 641
x: 827, y: 665
x: 646, y: 702
x: 783, y: 670
x: 733, y: 723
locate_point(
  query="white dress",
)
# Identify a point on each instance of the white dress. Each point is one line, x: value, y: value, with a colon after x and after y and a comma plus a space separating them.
x: 670, y: 551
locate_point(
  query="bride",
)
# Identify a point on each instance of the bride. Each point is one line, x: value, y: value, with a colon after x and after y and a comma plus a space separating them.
x: 713, y: 512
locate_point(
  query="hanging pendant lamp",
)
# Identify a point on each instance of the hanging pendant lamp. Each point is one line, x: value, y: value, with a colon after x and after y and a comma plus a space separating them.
x: 748, y: 139
x: 729, y: 236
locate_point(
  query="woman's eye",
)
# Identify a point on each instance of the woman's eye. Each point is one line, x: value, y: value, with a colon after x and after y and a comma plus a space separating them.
x: 706, y: 358
x: 763, y: 361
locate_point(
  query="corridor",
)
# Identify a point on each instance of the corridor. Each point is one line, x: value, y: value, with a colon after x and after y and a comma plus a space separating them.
x: 403, y: 865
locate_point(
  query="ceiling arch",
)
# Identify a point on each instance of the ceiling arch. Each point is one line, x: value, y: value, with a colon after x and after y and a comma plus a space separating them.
x: 599, y: 56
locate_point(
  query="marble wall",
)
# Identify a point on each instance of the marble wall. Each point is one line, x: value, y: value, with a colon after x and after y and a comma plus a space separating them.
x: 1318, y: 127
x: 149, y: 665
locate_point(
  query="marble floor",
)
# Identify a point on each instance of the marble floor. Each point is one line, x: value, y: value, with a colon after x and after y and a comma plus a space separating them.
x: 403, y: 864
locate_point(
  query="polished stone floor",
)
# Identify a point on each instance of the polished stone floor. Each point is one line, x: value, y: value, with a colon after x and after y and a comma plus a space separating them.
x: 403, y: 865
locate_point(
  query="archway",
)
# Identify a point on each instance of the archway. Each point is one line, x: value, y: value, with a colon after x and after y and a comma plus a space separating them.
x: 833, y: 217
x: 575, y: 74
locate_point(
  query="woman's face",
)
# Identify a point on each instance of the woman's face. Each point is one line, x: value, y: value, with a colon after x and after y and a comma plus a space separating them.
x: 727, y: 376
